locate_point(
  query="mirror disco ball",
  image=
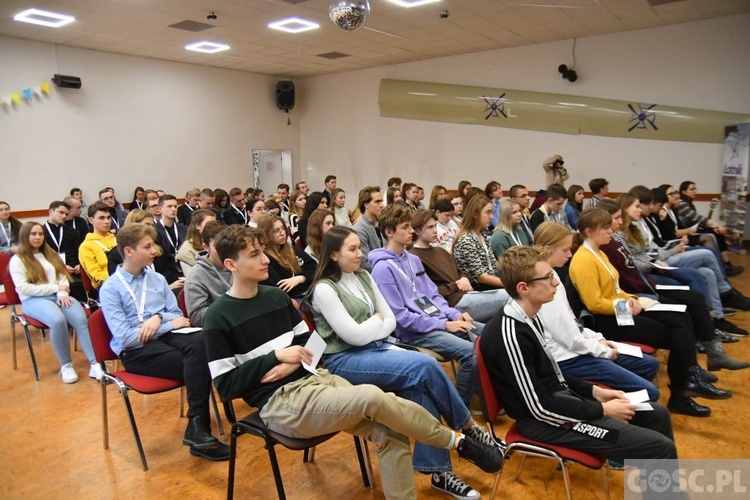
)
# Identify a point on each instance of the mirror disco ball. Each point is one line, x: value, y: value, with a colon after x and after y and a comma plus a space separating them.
x: 349, y: 15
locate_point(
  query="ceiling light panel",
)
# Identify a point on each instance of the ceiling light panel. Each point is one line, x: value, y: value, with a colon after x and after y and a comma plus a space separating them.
x: 207, y: 47
x: 293, y: 25
x: 44, y: 18
x: 412, y: 3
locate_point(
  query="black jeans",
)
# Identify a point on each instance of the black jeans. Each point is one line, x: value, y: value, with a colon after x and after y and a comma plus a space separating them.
x: 175, y: 356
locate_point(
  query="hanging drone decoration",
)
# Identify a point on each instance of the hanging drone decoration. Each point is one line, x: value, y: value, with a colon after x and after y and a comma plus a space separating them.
x: 642, y: 118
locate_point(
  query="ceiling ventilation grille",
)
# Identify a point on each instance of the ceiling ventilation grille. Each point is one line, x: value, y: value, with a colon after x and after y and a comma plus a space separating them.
x: 193, y: 26
x: 333, y: 55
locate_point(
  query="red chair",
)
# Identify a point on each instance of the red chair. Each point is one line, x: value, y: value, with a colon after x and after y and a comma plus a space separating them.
x: 13, y: 300
x: 101, y: 338
x: 4, y: 261
x: 517, y: 443
x: 219, y: 425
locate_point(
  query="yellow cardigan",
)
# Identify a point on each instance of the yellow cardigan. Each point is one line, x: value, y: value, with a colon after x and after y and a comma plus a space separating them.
x: 594, y: 283
x: 93, y: 258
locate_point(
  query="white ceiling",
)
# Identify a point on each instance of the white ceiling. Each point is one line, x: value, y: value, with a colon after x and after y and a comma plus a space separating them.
x: 392, y: 34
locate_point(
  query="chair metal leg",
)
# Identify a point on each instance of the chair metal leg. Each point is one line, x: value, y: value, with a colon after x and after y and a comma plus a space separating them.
x: 13, y: 342
x: 365, y: 464
x: 495, y: 485
x: 182, y: 401
x: 567, y: 480
x: 605, y: 471
x: 520, y: 467
x: 124, y: 392
x: 275, y: 468
x: 308, y: 455
x: 217, y: 415
x: 31, y: 351
x: 105, y: 415
x: 232, y: 460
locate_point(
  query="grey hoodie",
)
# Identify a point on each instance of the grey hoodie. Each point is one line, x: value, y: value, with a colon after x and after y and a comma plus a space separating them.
x: 204, y: 283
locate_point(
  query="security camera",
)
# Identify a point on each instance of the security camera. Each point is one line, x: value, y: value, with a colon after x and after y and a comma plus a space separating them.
x: 444, y: 15
x: 212, y: 16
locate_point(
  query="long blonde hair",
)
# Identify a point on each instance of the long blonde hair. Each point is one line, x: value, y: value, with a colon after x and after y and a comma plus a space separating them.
x: 34, y: 270
x: 632, y: 233
x: 284, y: 254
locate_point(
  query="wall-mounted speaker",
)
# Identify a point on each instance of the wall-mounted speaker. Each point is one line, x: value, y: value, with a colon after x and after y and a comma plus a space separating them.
x: 285, y: 95
x: 67, y: 82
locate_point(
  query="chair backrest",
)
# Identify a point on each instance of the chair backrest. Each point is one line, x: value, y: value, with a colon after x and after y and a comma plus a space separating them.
x: 86, y: 281
x: 4, y: 261
x: 305, y: 316
x: 491, y: 404
x: 181, y: 302
x: 101, y: 336
x: 11, y: 295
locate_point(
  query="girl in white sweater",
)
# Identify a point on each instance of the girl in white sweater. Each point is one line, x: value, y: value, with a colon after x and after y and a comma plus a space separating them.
x: 43, y: 285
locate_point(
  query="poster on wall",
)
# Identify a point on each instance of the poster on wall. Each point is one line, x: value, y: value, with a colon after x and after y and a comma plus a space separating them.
x: 736, y: 160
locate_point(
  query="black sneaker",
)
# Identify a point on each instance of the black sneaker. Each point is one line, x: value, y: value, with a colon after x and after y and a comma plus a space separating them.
x: 728, y: 327
x: 735, y: 300
x: 733, y: 270
x: 487, y: 457
x: 449, y: 483
x: 483, y: 436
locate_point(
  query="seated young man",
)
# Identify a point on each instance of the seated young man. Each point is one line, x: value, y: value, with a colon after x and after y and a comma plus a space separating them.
x: 423, y: 316
x: 107, y: 196
x: 599, y: 190
x: 547, y: 405
x: 553, y: 208
x: 171, y: 233
x: 192, y: 203
x: 92, y: 254
x: 208, y: 279
x: 64, y: 241
x: 142, y: 312
x: 254, y: 338
x: 443, y: 271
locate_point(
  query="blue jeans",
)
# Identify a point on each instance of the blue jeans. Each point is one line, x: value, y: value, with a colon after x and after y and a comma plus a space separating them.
x: 717, y: 256
x: 482, y: 306
x: 704, y: 262
x: 626, y: 373
x: 410, y: 375
x: 46, y: 310
x: 456, y: 347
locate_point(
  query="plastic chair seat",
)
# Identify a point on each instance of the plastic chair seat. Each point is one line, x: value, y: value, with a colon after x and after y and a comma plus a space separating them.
x: 35, y: 323
x: 254, y: 422
x: 146, y: 385
x: 586, y: 459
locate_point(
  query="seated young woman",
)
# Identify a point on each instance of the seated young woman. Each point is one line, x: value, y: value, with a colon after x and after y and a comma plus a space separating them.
x: 9, y: 228
x: 290, y: 269
x: 443, y: 271
x: 689, y: 217
x: 574, y: 207
x: 355, y: 320
x: 320, y: 221
x: 315, y: 201
x: 341, y: 215
x: 699, y: 262
x: 509, y: 232
x: 193, y: 243
x: 43, y: 285
x: 582, y: 352
x: 164, y: 263
x: 297, y: 202
x: 598, y: 285
x: 638, y: 283
x: 472, y: 248
x: 256, y: 209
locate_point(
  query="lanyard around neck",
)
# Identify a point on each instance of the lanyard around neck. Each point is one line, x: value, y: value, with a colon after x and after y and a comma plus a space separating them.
x: 538, y: 328
x: 5, y: 233
x: 411, y: 281
x: 176, y: 240
x: 243, y: 213
x: 140, y: 309
x: 58, y: 243
x: 606, y: 266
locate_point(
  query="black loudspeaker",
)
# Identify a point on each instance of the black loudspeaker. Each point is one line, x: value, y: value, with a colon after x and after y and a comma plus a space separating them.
x: 67, y: 82
x: 285, y: 95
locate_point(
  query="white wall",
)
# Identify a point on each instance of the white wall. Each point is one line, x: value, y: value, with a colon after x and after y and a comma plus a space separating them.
x: 703, y: 64
x: 135, y: 121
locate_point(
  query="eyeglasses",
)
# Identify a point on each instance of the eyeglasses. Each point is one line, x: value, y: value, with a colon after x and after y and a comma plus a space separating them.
x: 673, y: 193
x: 549, y: 277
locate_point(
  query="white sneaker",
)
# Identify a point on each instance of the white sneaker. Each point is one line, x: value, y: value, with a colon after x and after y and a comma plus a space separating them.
x: 68, y: 374
x: 96, y: 371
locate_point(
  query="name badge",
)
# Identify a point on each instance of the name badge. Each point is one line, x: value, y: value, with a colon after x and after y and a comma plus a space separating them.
x: 426, y: 305
x: 623, y: 314
x: 62, y: 256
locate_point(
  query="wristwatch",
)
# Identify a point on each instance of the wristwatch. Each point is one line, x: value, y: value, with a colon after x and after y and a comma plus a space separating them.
x: 161, y: 318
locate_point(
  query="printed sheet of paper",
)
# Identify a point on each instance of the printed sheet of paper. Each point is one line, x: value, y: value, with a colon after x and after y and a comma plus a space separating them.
x: 316, y: 345
x: 629, y: 349
x: 640, y: 400
x: 188, y: 329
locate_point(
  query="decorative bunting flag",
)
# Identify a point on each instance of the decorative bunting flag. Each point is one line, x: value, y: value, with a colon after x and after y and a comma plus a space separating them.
x: 37, y: 90
x: 27, y: 94
x: 45, y: 87
x: 16, y: 98
x: 6, y: 100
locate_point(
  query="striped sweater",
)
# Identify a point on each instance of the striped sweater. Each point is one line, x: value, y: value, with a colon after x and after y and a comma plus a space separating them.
x: 241, y: 336
x: 524, y: 378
